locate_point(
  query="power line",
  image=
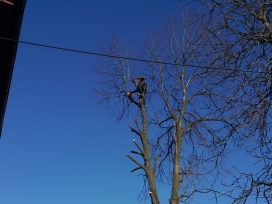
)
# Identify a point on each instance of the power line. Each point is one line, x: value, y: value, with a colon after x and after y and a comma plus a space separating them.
x: 115, y: 56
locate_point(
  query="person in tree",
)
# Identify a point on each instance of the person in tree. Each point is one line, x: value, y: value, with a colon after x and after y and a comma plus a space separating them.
x: 141, y: 88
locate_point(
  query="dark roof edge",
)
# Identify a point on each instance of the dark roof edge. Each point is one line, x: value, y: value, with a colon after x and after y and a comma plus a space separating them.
x: 15, y: 27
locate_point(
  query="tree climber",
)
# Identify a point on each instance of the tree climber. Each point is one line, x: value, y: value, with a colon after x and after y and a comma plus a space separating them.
x: 141, y: 88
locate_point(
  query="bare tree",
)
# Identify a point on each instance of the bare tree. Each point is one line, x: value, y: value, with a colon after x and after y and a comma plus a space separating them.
x: 190, y: 113
x: 115, y: 75
x: 247, y: 27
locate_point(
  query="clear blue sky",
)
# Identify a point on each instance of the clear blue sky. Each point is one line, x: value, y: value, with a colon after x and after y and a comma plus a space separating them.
x: 58, y: 145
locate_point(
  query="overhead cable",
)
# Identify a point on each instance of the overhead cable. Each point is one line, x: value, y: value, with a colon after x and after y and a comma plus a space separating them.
x: 122, y: 57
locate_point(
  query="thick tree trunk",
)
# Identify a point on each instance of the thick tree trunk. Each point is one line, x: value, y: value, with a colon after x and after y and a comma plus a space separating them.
x: 172, y: 201
x: 176, y: 163
x: 175, y: 185
x: 148, y: 168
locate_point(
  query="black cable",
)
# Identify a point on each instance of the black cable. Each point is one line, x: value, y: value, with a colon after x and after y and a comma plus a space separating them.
x: 114, y: 56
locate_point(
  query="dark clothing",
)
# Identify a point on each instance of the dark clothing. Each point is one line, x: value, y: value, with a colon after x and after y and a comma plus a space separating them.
x: 141, y: 87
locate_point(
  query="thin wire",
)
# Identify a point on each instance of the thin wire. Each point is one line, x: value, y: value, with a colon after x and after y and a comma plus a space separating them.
x: 114, y: 56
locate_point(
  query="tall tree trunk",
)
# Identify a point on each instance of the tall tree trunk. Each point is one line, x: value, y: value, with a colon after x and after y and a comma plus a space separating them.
x: 176, y: 163
x: 148, y: 167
